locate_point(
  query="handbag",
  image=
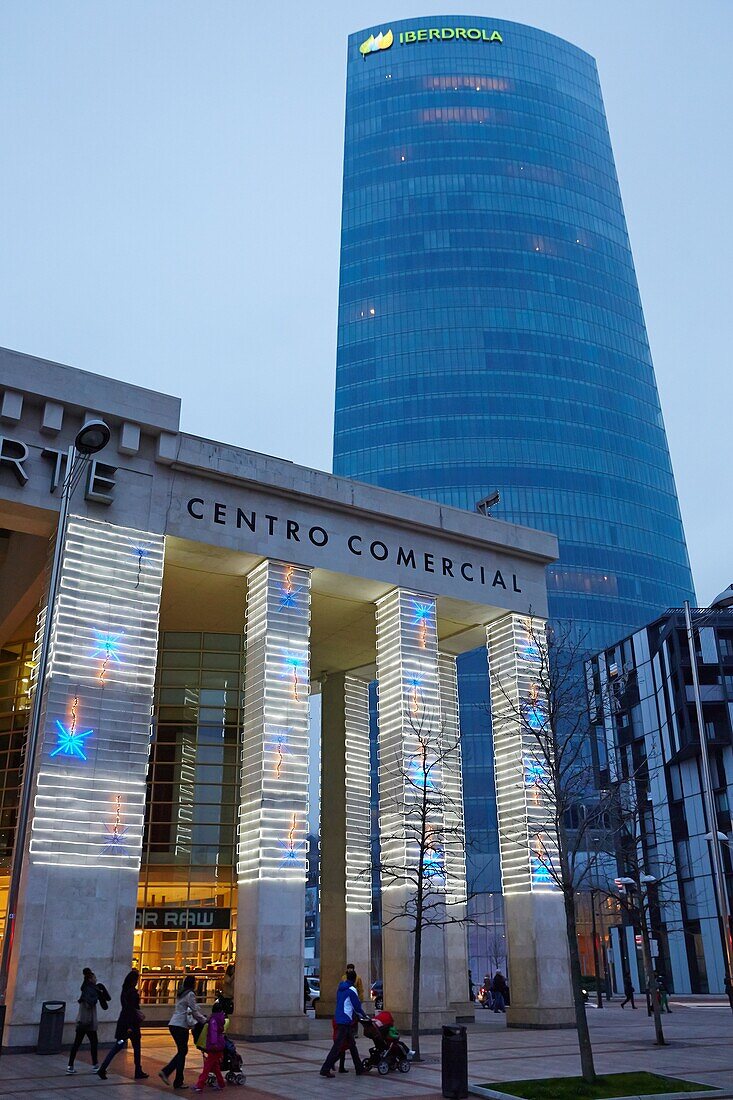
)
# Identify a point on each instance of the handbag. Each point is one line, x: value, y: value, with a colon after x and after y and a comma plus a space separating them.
x: 191, y: 1020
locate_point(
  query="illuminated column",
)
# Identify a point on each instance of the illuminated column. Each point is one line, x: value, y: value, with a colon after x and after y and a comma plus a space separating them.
x: 273, y: 845
x: 346, y: 863
x: 456, y: 934
x: 535, y: 922
x: 79, y: 886
x: 409, y: 713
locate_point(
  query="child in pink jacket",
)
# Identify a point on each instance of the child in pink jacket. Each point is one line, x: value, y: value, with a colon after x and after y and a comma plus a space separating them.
x: 214, y: 1048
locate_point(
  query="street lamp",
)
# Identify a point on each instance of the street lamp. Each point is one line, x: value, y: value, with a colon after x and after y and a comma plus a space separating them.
x: 90, y: 439
x: 639, y: 883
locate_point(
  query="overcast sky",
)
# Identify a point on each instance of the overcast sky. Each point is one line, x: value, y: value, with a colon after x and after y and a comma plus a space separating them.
x: 170, y: 206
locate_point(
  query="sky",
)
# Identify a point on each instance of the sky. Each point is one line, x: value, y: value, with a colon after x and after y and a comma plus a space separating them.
x: 170, y: 206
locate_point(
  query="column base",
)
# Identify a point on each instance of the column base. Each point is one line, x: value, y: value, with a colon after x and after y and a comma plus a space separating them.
x: 265, y: 1029
x: 540, y: 1019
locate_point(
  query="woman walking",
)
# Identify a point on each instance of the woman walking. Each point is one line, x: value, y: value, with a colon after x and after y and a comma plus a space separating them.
x: 186, y: 1015
x: 92, y: 994
x: 128, y: 1026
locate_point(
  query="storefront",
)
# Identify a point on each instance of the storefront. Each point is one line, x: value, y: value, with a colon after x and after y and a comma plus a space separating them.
x: 207, y: 593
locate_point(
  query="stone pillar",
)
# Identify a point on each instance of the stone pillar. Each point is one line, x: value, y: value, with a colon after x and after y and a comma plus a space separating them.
x: 79, y: 883
x: 541, y: 994
x: 456, y: 933
x: 272, y: 845
x: 409, y: 713
x: 346, y: 864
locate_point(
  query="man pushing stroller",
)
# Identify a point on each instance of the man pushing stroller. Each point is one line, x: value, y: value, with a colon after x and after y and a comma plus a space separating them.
x: 348, y: 1012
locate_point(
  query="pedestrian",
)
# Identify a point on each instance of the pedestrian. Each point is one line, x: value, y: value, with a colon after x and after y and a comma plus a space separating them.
x: 306, y: 994
x: 499, y: 991
x: 215, y: 1040
x: 185, y: 1016
x: 348, y: 1011
x: 227, y: 989
x: 628, y: 991
x: 471, y: 992
x: 353, y: 978
x: 663, y: 994
x: 92, y: 994
x: 128, y: 1026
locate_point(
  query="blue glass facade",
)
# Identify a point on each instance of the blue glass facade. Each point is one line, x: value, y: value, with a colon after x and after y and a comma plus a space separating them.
x: 491, y: 334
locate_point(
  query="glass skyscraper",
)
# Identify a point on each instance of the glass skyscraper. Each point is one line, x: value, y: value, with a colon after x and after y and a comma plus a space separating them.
x: 491, y: 334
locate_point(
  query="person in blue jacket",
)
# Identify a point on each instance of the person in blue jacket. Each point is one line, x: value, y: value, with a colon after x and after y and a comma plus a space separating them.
x: 348, y: 1011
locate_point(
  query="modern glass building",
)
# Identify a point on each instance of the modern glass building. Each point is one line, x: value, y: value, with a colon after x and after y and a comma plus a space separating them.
x: 491, y: 334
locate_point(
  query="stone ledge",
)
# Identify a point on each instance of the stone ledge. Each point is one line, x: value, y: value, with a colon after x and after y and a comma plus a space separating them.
x: 713, y: 1093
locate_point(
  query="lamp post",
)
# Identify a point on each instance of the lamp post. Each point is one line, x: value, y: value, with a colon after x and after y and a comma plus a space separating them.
x: 90, y: 439
x: 713, y: 836
x: 641, y: 884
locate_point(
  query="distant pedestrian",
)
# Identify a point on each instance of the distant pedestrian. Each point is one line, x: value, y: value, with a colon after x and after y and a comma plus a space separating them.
x: 663, y: 994
x: 215, y: 1041
x: 306, y: 994
x: 185, y: 1016
x: 348, y: 1011
x: 499, y: 991
x: 227, y: 989
x: 471, y: 990
x: 93, y: 993
x: 128, y: 1026
x: 353, y: 978
x: 728, y: 984
x: 628, y: 991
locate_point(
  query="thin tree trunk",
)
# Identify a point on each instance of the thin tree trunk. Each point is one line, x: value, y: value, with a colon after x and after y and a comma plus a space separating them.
x: 581, y: 1020
x: 415, y: 1040
x: 651, y: 984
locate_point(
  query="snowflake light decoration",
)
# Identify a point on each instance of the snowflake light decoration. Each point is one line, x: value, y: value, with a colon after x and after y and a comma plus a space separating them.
x: 69, y: 741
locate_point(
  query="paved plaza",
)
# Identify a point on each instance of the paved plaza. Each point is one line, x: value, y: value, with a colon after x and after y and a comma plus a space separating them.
x: 700, y: 1035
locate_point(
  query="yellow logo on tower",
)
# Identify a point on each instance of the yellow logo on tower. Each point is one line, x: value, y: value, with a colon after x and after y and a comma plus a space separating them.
x: 374, y: 43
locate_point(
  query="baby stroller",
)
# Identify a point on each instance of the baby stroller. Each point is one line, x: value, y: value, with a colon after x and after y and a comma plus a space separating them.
x: 388, y: 1051
x: 232, y: 1065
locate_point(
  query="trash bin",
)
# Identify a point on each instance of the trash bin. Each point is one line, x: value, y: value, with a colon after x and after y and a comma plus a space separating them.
x: 51, y: 1027
x: 454, y: 1059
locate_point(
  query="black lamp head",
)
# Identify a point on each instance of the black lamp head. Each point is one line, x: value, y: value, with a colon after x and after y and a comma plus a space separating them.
x: 92, y: 437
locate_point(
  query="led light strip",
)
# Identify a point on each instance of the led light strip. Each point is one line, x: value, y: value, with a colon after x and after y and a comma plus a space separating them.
x: 455, y: 836
x: 358, y: 797
x: 273, y: 816
x: 408, y: 702
x: 90, y: 796
x: 527, y: 845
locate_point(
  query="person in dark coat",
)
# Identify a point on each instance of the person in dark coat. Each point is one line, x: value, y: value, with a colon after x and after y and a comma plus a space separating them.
x: 93, y: 993
x: 628, y: 991
x: 128, y: 1026
x: 499, y: 991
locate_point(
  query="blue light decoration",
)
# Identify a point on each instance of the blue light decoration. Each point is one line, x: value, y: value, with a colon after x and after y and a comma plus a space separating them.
x: 289, y: 591
x: 434, y: 864
x: 540, y: 873
x: 294, y: 665
x: 69, y: 741
x: 534, y: 772
x: 291, y: 847
x: 535, y: 710
x: 529, y: 649
x: 117, y: 832
x: 107, y: 649
x: 423, y: 614
x: 420, y: 777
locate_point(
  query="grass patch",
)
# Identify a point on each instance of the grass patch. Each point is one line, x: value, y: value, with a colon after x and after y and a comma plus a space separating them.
x: 606, y: 1085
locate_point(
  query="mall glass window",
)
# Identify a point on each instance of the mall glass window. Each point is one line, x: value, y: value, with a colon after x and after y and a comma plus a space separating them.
x: 188, y: 858
x: 16, y: 666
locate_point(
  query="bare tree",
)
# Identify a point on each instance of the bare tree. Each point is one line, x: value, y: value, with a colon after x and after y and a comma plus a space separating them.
x: 424, y: 851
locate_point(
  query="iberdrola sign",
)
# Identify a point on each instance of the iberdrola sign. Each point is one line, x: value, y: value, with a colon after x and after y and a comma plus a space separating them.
x: 383, y: 40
